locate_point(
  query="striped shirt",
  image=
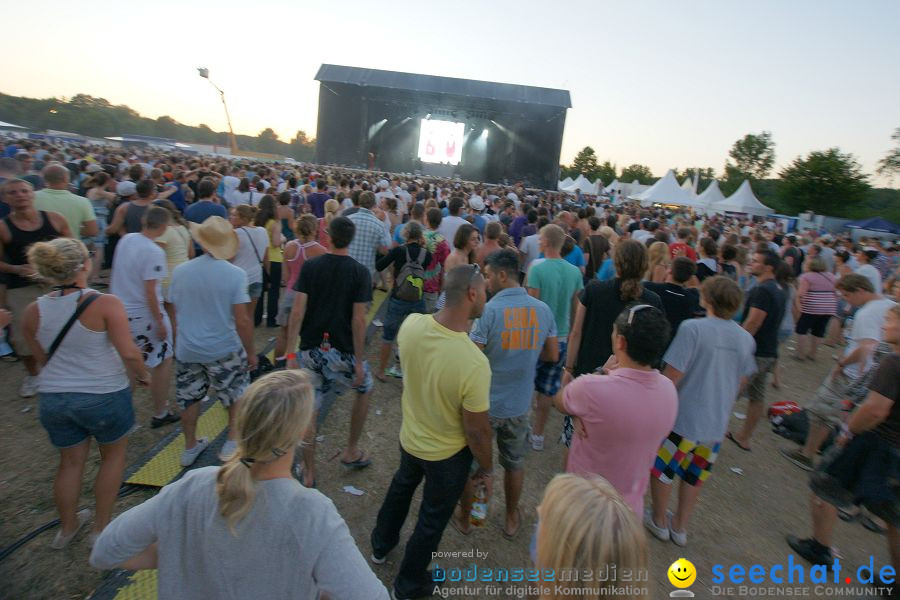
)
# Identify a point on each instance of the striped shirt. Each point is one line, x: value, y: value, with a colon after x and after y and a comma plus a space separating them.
x: 820, y: 297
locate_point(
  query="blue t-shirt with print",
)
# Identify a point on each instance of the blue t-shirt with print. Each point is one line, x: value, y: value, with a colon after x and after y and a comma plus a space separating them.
x: 513, y: 329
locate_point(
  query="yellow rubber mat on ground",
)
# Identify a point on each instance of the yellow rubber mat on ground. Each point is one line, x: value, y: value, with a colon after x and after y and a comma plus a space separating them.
x: 165, y: 466
x: 378, y: 298
x: 141, y: 586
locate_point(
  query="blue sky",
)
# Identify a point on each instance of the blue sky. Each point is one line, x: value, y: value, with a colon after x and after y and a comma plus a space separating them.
x: 659, y: 83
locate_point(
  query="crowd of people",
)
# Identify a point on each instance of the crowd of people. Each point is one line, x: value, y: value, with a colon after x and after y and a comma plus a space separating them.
x: 623, y: 333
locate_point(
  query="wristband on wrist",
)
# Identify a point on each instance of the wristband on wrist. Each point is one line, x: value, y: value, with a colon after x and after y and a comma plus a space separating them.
x: 291, y: 356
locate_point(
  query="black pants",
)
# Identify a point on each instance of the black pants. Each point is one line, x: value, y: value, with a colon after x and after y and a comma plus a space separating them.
x: 270, y: 295
x: 444, y: 483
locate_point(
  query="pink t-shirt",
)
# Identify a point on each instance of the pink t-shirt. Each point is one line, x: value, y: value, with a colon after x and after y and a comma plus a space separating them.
x: 627, y: 415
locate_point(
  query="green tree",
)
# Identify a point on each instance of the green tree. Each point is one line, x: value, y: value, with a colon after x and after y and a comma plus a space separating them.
x: 829, y: 182
x: 640, y: 172
x: 753, y: 156
x: 585, y: 163
x: 889, y: 166
x: 606, y: 172
x: 268, y: 141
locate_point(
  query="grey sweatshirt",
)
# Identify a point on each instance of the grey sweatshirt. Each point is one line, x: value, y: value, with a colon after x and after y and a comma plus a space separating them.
x: 292, y: 544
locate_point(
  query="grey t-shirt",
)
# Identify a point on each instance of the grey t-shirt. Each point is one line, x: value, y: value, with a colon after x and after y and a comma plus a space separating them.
x: 292, y: 544
x: 712, y: 354
x: 513, y: 329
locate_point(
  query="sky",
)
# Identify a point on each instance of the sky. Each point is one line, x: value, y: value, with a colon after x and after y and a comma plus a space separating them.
x: 661, y: 83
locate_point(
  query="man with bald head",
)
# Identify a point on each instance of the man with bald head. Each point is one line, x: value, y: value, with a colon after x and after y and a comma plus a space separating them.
x: 56, y: 197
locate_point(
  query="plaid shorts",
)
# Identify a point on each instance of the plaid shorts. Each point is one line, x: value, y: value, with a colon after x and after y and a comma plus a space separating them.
x: 687, y: 459
x: 548, y: 376
x: 333, y: 372
x: 228, y: 376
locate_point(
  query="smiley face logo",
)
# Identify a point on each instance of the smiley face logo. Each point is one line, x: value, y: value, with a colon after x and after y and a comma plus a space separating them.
x: 682, y: 573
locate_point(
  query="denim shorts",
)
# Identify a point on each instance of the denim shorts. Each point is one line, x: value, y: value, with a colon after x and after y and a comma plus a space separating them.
x: 254, y: 290
x: 397, y: 311
x: 72, y: 417
x: 548, y: 376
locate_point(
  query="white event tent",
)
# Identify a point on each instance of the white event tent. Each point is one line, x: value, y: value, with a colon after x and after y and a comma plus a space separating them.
x: 666, y: 191
x: 581, y: 183
x: 710, y: 195
x: 742, y: 201
x: 564, y: 183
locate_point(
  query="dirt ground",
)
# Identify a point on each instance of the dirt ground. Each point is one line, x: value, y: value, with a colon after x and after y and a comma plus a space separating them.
x: 751, y: 501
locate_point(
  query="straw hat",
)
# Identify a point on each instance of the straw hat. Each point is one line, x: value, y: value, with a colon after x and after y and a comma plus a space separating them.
x: 217, y: 237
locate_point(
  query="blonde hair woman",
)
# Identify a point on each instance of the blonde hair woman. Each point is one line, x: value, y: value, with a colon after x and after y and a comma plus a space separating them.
x: 84, y: 384
x: 658, y: 262
x: 263, y: 534
x: 332, y: 208
x: 584, y: 524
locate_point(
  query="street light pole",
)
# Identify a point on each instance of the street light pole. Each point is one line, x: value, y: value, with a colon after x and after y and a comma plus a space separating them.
x: 204, y: 73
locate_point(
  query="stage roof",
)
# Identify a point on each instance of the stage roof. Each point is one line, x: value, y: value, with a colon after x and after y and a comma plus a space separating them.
x: 504, y: 92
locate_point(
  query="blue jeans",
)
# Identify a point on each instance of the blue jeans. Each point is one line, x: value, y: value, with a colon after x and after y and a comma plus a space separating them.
x: 72, y: 417
x: 397, y: 311
x: 444, y: 483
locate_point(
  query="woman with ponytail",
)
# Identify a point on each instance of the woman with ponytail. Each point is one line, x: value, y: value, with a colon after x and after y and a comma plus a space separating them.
x: 590, y: 339
x: 247, y: 529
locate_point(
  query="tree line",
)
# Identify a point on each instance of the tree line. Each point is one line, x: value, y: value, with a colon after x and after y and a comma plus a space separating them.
x: 97, y: 117
x: 828, y: 182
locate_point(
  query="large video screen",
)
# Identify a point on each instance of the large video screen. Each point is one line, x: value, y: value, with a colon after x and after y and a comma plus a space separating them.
x: 441, y: 141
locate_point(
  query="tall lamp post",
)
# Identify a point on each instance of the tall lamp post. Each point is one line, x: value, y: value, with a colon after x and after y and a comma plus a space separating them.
x: 204, y: 73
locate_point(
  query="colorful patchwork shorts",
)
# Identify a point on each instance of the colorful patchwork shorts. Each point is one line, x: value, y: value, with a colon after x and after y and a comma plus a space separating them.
x: 684, y: 458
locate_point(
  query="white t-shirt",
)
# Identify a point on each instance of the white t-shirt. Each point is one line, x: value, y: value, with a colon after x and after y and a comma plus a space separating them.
x: 229, y: 184
x: 448, y: 227
x: 641, y: 235
x: 248, y: 259
x: 866, y: 326
x: 530, y: 247
x: 872, y: 274
x: 137, y: 259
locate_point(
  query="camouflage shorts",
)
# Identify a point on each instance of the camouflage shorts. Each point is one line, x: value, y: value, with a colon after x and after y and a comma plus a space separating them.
x: 227, y: 376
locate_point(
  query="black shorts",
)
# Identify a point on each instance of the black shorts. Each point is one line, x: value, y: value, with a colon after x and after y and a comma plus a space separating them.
x: 864, y: 472
x: 815, y: 324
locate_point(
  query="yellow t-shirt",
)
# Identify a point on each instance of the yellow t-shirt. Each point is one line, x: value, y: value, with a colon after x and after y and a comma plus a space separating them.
x: 275, y: 252
x: 443, y: 373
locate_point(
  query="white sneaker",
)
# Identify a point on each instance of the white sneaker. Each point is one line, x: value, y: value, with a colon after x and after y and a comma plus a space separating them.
x: 228, y: 449
x: 537, y: 442
x: 377, y: 322
x: 189, y: 456
x: 679, y: 537
x: 378, y: 561
x: 660, y: 533
x: 29, y: 387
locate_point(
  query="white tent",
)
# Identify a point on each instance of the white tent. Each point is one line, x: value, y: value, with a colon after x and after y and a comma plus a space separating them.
x: 710, y: 195
x: 688, y: 185
x: 665, y: 191
x: 615, y: 186
x: 598, y: 186
x: 564, y: 183
x: 634, y: 188
x: 742, y: 201
x: 581, y: 183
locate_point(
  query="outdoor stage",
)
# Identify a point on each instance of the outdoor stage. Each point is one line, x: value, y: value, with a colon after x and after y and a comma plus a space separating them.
x: 476, y: 130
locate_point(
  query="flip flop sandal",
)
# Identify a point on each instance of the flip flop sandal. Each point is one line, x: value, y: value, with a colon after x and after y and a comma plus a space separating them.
x: 456, y: 526
x: 511, y: 536
x: 737, y: 443
x: 360, y: 463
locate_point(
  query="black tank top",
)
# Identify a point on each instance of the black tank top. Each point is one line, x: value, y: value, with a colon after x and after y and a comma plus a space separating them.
x: 133, y: 215
x: 20, y: 240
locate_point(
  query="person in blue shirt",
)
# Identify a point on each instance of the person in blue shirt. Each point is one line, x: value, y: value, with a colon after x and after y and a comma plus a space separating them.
x: 205, y: 206
x: 515, y: 331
